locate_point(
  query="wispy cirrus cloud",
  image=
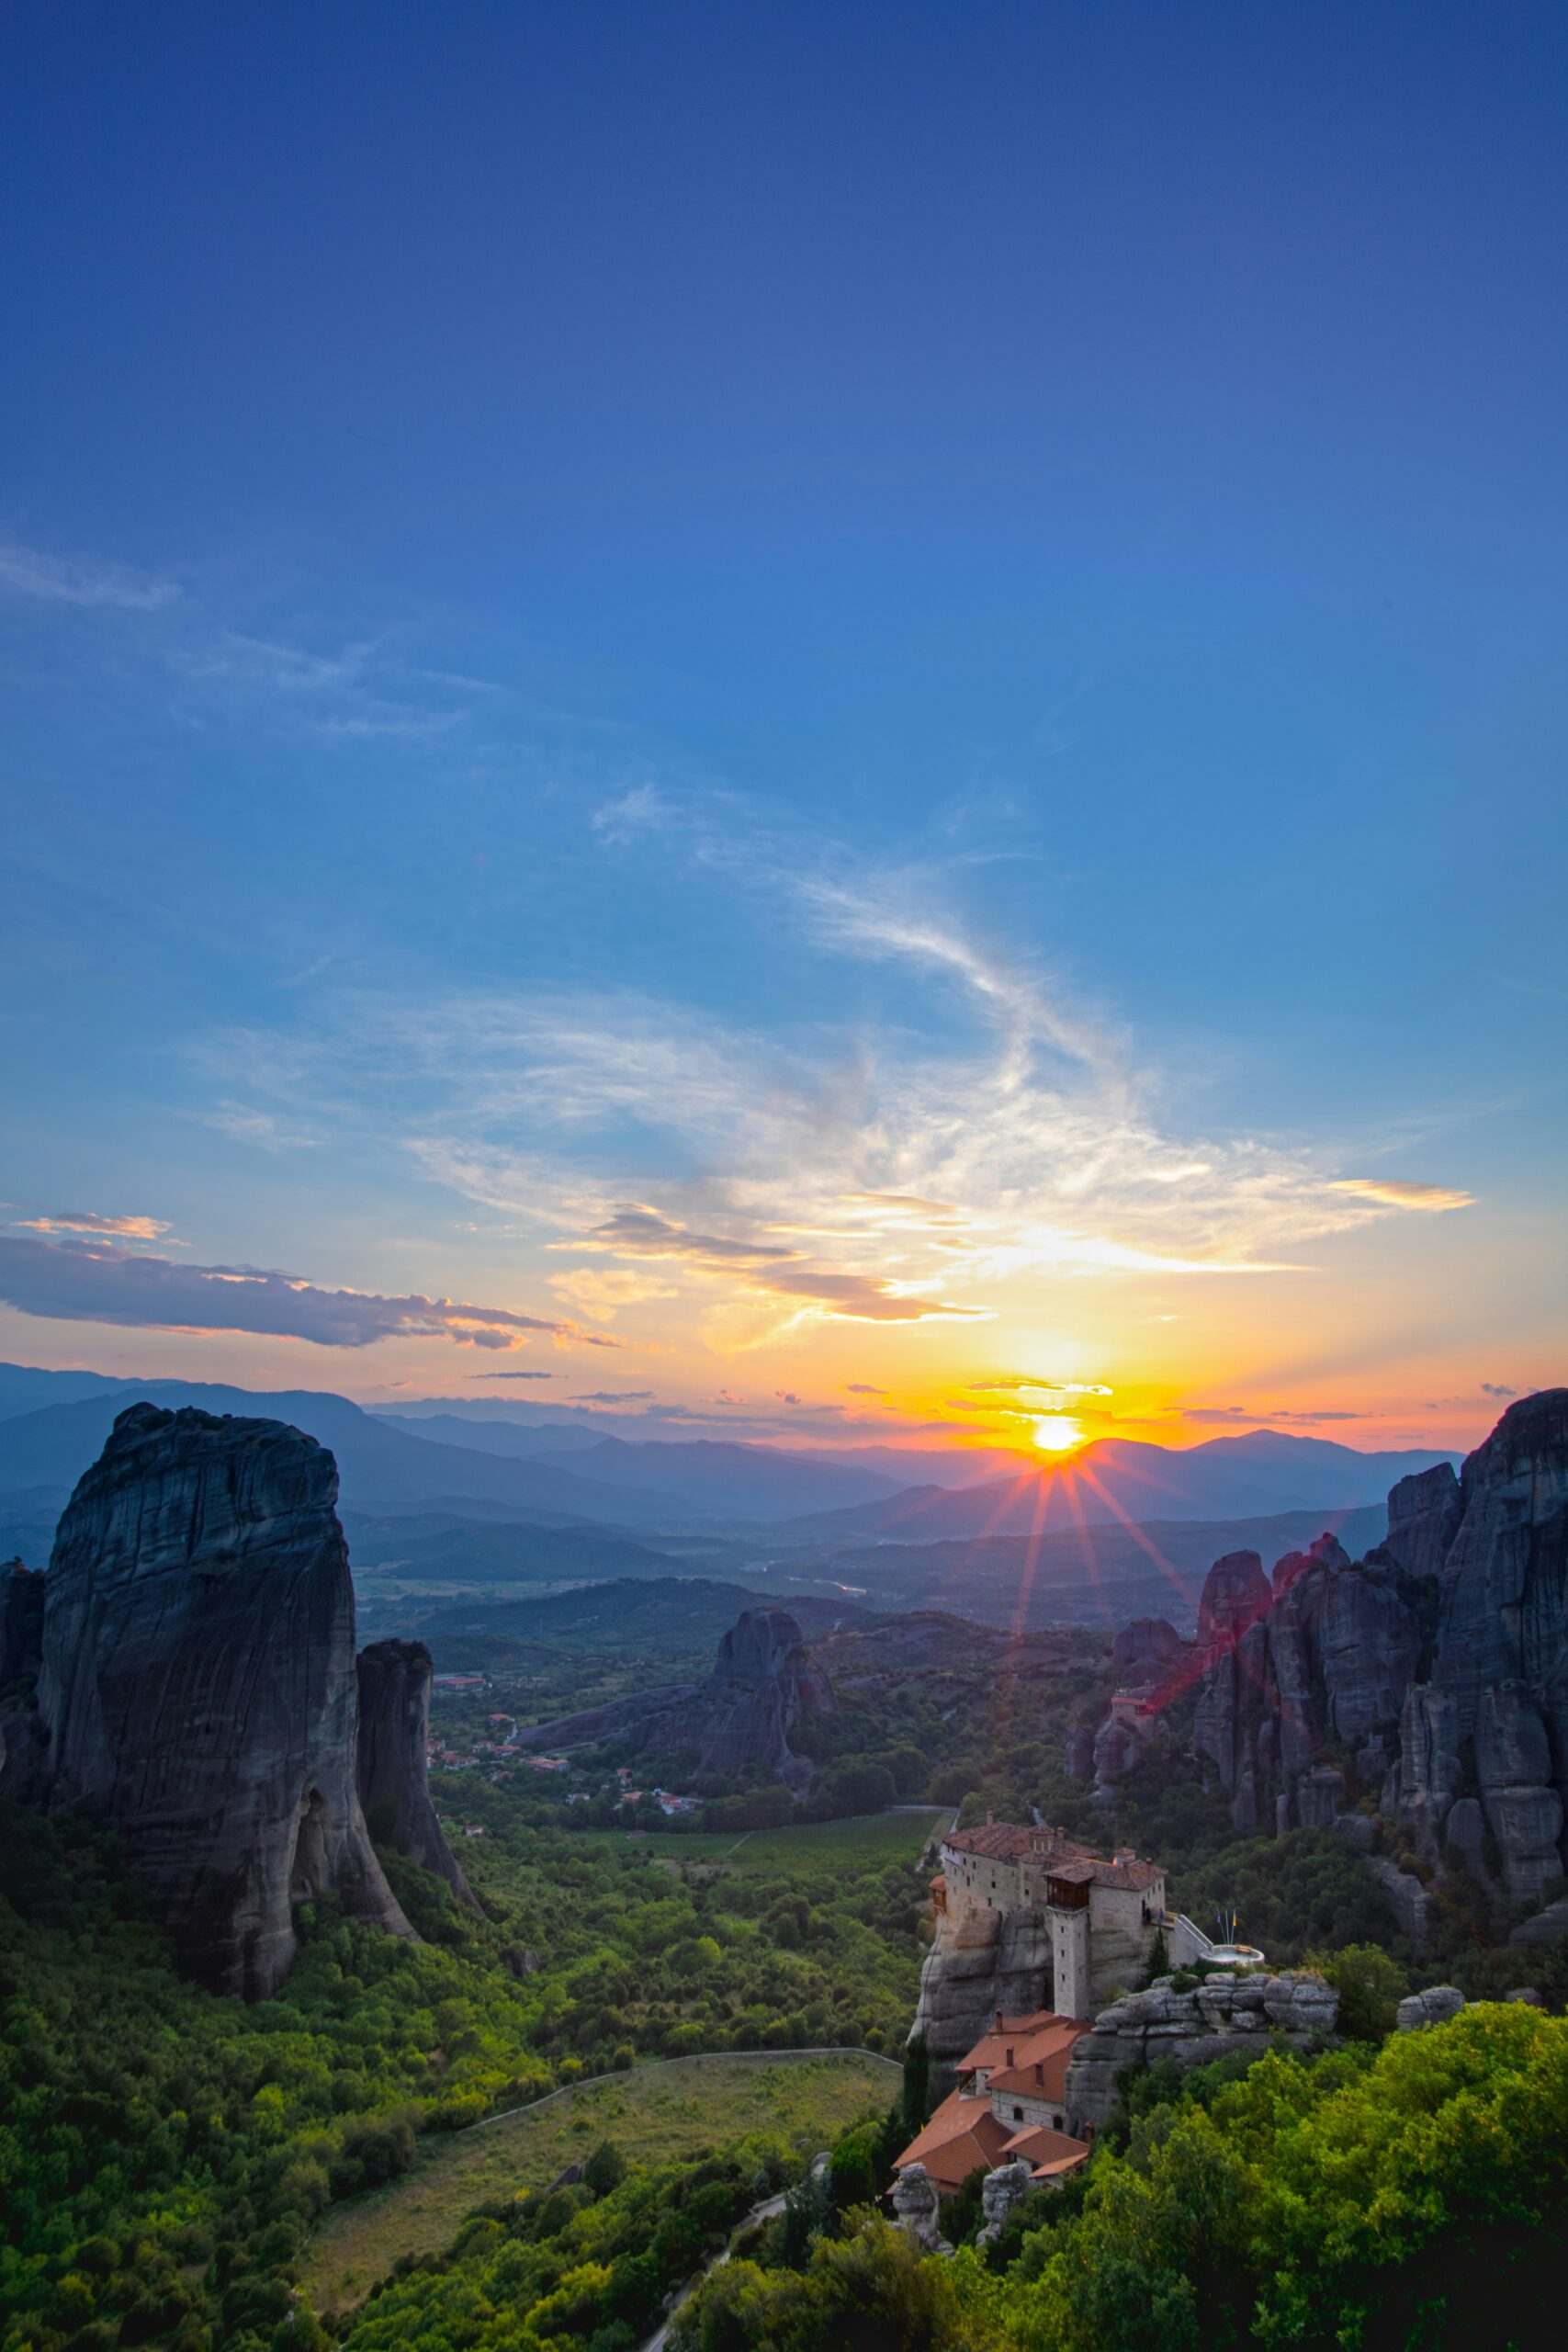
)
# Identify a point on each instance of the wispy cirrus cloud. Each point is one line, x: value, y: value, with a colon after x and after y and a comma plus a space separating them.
x: 84, y: 580
x: 79, y: 1280
x: 915, y: 1167
x: 109, y: 1228
x: 1390, y: 1194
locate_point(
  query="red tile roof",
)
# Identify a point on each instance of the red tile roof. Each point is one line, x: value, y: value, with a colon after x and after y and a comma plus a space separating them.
x: 1052, y: 2154
x: 1004, y: 1841
x: 1041, y: 2037
x: 999, y: 1841
x: 963, y: 2136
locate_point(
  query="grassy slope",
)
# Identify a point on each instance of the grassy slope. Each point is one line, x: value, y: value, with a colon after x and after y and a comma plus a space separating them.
x: 673, y: 2107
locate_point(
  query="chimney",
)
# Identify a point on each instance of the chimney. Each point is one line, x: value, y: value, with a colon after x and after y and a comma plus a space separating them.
x: 990, y: 1821
x: 1010, y: 2053
x: 998, y: 2021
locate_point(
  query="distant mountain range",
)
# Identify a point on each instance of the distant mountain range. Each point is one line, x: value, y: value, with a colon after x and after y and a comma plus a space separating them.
x: 1118, y: 1482
x: 720, y: 1479
x: 52, y: 1425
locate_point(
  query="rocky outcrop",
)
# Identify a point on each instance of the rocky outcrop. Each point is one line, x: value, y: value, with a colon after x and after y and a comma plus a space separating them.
x: 1145, y: 1649
x: 1001, y: 2194
x: 1422, y: 1520
x: 1235, y: 1594
x: 1326, y: 1552
x: 981, y: 1962
x: 1320, y: 1676
x: 1483, y: 1760
x: 1219, y: 2016
x: 394, y: 1728
x: 1430, y: 1679
x: 917, y: 2209
x: 763, y: 1680
x: 1435, y: 2005
x: 198, y: 1683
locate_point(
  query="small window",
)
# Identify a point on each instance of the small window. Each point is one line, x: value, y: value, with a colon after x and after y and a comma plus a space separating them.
x: 1018, y: 2115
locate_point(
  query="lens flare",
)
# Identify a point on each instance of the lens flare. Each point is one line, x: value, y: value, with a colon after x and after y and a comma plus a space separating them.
x: 1057, y: 1433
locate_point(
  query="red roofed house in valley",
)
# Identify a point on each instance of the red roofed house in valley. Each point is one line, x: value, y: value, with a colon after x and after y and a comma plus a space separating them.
x: 1010, y: 2103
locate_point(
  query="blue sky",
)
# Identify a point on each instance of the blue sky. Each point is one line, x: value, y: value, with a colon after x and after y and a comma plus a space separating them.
x: 744, y: 619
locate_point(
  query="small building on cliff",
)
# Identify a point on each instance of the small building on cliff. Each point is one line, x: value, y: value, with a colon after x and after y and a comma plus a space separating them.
x: 1010, y: 2106
x: 1102, y: 1918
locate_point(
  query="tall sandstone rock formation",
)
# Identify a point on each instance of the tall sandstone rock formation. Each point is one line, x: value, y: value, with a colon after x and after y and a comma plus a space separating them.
x: 1483, y: 1761
x: 1316, y: 1679
x: 763, y: 1680
x: 394, y: 1729
x: 198, y: 1683
x: 1431, y: 1677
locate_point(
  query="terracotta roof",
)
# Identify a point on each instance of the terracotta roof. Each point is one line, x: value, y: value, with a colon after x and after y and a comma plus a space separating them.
x: 1052, y: 2154
x: 1050, y: 2056
x: 1004, y: 1841
x: 1135, y: 1875
x: 998, y: 1841
x: 1038, y: 2037
x: 962, y: 2137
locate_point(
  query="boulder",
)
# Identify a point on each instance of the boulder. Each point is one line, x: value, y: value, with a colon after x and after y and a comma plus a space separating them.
x: 198, y: 1683
x: 1223, y: 2013
x: 1002, y: 2192
x: 1435, y: 2005
x: 394, y: 1730
x: 917, y: 2207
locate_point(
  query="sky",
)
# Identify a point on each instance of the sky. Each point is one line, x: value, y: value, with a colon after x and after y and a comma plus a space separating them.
x: 830, y: 723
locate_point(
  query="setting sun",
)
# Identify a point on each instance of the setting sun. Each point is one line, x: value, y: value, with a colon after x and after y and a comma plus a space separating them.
x: 1057, y: 1433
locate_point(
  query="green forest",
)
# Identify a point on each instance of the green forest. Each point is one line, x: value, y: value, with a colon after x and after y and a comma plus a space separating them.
x: 167, y: 2156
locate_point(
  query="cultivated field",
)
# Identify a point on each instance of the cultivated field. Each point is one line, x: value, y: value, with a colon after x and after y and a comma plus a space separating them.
x: 865, y: 1841
x: 667, y: 2108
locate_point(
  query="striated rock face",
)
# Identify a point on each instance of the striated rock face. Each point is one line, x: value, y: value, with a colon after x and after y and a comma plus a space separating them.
x: 394, y: 1726
x: 1235, y: 1595
x: 1223, y: 2013
x: 980, y: 1963
x: 198, y: 1683
x: 1145, y: 1649
x: 1328, y: 1667
x: 1491, y: 1722
x: 763, y: 1680
x: 1422, y: 1520
x: 1431, y: 1677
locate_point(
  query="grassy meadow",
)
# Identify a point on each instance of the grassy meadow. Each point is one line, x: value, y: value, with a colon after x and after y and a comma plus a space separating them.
x: 661, y: 2110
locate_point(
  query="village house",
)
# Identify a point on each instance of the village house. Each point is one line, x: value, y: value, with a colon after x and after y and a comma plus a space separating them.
x: 1009, y: 2104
